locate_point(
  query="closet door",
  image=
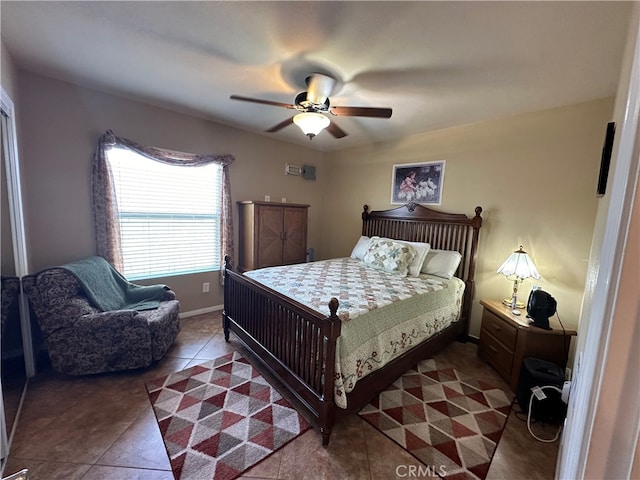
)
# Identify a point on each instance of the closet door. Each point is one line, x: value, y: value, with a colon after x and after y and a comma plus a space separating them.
x: 17, y: 357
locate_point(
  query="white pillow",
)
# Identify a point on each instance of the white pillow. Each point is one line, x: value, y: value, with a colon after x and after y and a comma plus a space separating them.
x: 390, y: 256
x: 360, y: 250
x: 442, y: 263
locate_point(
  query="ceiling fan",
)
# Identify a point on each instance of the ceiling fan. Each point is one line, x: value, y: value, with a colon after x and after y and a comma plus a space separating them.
x: 313, y: 106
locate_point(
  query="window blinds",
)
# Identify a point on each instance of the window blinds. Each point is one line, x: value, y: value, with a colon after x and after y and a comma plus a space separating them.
x: 169, y: 215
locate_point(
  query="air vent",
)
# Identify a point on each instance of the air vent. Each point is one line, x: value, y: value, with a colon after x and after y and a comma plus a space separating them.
x: 292, y: 169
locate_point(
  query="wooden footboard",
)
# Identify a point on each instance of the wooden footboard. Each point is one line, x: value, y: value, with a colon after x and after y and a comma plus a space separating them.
x: 296, y: 344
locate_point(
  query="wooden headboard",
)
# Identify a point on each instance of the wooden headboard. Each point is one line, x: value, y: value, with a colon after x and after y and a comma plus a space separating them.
x: 444, y: 231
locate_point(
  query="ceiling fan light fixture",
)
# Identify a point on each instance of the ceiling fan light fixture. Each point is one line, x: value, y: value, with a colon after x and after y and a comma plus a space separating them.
x: 311, y: 123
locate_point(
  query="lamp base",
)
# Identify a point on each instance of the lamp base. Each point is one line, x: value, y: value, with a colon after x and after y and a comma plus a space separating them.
x: 507, y: 302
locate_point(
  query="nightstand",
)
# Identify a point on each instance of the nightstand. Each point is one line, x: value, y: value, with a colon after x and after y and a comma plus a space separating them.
x: 507, y: 339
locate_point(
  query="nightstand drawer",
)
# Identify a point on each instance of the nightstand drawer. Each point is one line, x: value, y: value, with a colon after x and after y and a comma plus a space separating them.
x: 500, y: 329
x: 493, y: 352
x: 507, y: 339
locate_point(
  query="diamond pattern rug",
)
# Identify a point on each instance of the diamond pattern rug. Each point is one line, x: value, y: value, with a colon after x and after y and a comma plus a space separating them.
x: 220, y: 418
x: 451, y: 424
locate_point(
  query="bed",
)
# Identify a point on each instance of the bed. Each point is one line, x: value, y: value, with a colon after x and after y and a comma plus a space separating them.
x: 300, y: 342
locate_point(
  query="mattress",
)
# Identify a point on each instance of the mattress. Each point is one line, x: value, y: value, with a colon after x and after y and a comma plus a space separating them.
x: 382, y: 314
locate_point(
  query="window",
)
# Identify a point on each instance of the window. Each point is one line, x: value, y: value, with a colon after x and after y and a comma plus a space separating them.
x: 169, y: 215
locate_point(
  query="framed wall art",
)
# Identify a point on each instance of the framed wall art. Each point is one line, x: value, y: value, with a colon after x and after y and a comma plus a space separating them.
x: 417, y: 182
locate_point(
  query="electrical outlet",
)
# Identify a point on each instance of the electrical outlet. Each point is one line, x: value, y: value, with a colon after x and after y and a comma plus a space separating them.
x: 205, y: 287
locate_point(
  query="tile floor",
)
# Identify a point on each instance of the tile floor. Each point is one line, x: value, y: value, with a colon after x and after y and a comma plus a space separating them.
x: 103, y: 427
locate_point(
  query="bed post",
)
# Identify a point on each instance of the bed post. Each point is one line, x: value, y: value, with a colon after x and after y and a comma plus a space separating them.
x: 225, y: 319
x: 365, y: 217
x: 331, y: 331
x: 476, y: 223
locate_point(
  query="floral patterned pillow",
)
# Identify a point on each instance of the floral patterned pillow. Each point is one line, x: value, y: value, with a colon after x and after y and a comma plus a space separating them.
x: 389, y: 256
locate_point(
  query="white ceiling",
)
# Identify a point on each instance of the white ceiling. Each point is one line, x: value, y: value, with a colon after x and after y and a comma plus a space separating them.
x: 436, y: 64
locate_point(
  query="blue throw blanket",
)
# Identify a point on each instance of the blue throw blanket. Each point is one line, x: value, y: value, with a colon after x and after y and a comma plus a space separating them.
x: 108, y: 290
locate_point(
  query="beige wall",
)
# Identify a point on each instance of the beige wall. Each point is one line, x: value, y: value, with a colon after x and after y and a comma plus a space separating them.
x: 61, y: 123
x: 534, y: 175
x: 8, y: 72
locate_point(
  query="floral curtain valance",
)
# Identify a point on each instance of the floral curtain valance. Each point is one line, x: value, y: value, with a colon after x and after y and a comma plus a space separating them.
x: 105, y: 204
x: 163, y: 155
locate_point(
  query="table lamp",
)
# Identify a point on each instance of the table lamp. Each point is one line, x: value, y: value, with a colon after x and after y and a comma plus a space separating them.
x: 517, y: 267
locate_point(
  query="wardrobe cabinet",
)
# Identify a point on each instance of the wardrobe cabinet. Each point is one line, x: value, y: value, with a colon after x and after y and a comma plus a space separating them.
x: 271, y: 234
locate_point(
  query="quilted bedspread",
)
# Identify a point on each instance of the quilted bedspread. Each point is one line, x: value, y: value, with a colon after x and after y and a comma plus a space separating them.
x: 358, y: 288
x: 382, y: 314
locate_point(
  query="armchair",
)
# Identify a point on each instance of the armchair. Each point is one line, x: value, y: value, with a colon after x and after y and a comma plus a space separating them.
x: 81, y: 339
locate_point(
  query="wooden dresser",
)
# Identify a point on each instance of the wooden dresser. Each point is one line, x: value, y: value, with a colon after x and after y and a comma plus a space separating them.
x: 271, y: 234
x: 507, y: 339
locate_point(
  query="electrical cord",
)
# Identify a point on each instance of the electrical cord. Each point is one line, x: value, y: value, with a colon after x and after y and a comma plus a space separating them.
x: 545, y: 440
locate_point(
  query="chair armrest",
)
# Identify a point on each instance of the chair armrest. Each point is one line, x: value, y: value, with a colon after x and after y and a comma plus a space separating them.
x: 168, y: 295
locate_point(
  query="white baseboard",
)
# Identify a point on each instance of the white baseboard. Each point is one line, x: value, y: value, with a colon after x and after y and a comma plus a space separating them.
x: 200, y: 311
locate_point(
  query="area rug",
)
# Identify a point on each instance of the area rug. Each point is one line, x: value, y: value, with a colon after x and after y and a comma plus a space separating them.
x: 451, y: 423
x: 220, y: 418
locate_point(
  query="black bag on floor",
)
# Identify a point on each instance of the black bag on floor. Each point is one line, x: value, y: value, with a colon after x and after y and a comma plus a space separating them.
x: 541, y: 373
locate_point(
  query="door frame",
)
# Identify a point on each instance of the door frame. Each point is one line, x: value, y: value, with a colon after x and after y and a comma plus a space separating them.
x: 16, y: 214
x: 598, y: 317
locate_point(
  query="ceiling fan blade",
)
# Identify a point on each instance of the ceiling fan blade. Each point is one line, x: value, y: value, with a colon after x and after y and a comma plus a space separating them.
x: 336, y: 131
x: 264, y: 102
x: 280, y: 125
x: 319, y: 87
x: 362, y: 112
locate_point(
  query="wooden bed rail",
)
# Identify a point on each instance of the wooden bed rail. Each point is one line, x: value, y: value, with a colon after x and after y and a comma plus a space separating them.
x: 295, y: 343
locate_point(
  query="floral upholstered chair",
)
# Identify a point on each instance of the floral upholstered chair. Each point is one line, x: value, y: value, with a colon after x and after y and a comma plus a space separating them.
x: 82, y: 339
